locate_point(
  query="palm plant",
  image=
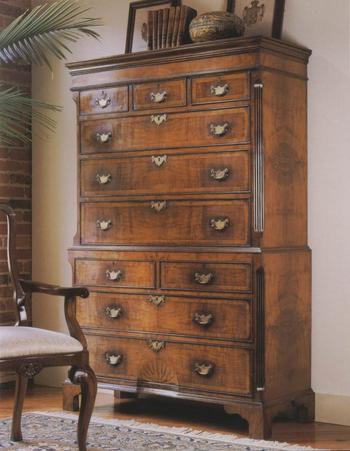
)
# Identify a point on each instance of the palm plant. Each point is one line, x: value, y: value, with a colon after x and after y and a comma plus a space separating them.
x: 35, y: 36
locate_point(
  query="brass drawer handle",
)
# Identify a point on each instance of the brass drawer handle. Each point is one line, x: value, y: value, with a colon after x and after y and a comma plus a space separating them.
x: 156, y: 300
x: 103, y: 101
x: 113, y: 311
x: 158, y: 97
x: 203, y: 278
x: 220, y: 224
x: 204, y: 369
x: 114, y: 275
x: 159, y: 119
x: 219, y: 174
x: 104, y: 225
x: 159, y: 160
x: 203, y: 319
x: 219, y: 129
x: 219, y: 90
x: 155, y: 345
x: 103, y: 138
x: 158, y: 205
x: 113, y: 359
x: 103, y: 179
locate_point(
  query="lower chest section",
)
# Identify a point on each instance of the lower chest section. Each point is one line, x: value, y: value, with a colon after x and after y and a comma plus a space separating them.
x: 180, y: 321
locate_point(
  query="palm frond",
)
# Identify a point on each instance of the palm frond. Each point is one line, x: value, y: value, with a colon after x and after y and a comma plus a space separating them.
x: 45, y: 30
x: 17, y: 111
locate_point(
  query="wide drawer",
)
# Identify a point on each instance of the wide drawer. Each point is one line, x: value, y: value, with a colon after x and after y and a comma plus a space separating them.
x: 166, y: 130
x: 111, y: 100
x: 201, y: 222
x: 159, y: 94
x: 115, y: 273
x: 211, y: 276
x: 219, y: 88
x: 207, y: 318
x: 165, y: 174
x: 207, y: 368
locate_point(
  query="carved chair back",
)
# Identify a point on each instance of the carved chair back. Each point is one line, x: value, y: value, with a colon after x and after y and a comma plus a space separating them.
x: 19, y: 295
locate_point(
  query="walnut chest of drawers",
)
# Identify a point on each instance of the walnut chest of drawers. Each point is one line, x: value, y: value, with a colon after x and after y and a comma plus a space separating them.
x: 192, y: 229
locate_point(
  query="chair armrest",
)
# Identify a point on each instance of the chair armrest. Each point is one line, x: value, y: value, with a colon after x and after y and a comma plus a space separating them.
x: 69, y: 295
x: 68, y: 292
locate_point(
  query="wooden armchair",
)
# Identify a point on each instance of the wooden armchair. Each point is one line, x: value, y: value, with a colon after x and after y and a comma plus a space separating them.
x: 27, y: 350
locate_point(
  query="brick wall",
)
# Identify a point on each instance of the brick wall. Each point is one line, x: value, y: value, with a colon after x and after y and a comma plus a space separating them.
x: 15, y: 182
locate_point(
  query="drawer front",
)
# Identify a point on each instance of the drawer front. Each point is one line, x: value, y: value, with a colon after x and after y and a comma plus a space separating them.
x: 226, y: 277
x: 165, y: 174
x: 119, y: 273
x: 207, y: 368
x: 219, y: 88
x: 166, y: 130
x: 224, y: 222
x: 196, y: 317
x: 111, y: 100
x: 160, y: 94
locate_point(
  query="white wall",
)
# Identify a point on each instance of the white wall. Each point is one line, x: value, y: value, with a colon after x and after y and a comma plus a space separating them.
x: 319, y: 24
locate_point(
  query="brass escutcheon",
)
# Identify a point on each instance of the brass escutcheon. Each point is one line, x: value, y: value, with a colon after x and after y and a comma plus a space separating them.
x: 203, y: 369
x: 103, y: 101
x: 156, y: 346
x: 156, y: 300
x: 219, y: 90
x: 113, y: 359
x: 113, y: 311
x: 159, y: 119
x: 158, y: 97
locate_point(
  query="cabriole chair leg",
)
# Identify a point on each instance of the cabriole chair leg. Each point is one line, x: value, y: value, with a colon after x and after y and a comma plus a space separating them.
x: 86, y: 378
x: 21, y: 388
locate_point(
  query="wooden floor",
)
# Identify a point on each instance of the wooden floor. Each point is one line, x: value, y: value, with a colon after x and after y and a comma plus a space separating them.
x: 176, y: 413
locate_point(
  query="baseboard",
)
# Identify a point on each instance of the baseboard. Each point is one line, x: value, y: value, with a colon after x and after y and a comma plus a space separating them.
x: 333, y: 409
x: 6, y: 378
x: 7, y: 385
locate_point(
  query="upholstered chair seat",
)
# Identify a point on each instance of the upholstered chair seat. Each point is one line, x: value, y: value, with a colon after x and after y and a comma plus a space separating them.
x: 30, y: 341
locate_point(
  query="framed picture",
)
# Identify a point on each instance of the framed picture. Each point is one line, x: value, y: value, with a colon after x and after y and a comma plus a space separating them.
x: 260, y: 17
x: 137, y: 32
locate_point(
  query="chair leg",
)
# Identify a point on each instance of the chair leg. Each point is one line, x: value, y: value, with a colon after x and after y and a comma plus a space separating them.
x: 21, y: 388
x: 86, y: 378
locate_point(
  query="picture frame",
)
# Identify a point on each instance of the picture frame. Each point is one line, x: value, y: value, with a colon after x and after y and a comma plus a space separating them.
x: 261, y: 17
x: 136, y: 36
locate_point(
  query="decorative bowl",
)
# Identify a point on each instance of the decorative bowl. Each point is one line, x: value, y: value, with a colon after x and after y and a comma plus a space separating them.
x: 216, y: 25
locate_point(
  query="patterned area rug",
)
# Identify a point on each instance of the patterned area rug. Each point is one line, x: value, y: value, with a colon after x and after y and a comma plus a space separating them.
x: 51, y: 432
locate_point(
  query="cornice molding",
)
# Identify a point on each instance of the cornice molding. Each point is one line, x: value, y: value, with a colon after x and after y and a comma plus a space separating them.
x: 186, y: 52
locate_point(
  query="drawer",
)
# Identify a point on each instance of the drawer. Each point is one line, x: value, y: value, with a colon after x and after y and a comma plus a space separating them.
x: 219, y: 88
x: 199, y: 276
x: 165, y: 174
x: 118, y: 273
x: 111, y: 100
x: 166, y: 130
x: 160, y: 94
x: 198, y: 222
x: 207, y: 318
x: 207, y: 368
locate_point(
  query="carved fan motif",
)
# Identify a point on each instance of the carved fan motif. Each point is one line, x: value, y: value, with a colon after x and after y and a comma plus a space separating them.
x: 158, y: 372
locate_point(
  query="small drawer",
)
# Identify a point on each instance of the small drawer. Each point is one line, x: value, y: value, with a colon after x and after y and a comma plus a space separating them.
x: 165, y: 174
x: 110, y: 100
x: 166, y: 131
x: 225, y: 277
x: 158, y: 361
x: 220, y: 88
x: 118, y: 273
x: 160, y: 94
x: 158, y: 313
x: 198, y: 222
